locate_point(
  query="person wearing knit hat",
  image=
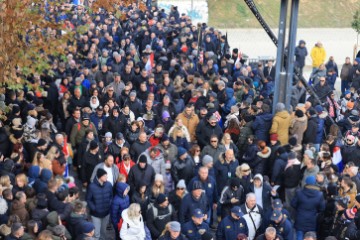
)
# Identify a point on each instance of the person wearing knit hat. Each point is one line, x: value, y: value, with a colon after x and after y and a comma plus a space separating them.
x: 159, y: 177
x: 93, y: 145
x: 309, y: 153
x: 310, y: 180
x: 87, y: 229
x: 100, y: 173
x: 181, y: 184
x: 207, y: 159
x: 41, y: 143
x: 181, y: 151
x: 142, y: 159
x: 349, y: 214
x: 273, y: 137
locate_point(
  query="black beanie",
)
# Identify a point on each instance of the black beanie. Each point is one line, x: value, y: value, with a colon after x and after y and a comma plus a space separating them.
x: 143, y: 159
x: 100, y: 172
x: 299, y: 113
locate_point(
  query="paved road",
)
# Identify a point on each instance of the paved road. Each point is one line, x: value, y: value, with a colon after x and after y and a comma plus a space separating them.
x: 255, y: 43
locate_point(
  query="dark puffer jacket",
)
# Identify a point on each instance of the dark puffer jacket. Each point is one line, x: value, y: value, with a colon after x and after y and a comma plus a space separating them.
x: 99, y: 198
x: 189, y: 203
x: 147, y: 175
x: 261, y: 126
x: 204, y: 131
x: 40, y: 184
x: 308, y: 202
x: 119, y: 203
x: 183, y: 169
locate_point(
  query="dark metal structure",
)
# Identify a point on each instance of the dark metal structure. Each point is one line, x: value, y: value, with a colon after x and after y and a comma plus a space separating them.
x: 285, y: 55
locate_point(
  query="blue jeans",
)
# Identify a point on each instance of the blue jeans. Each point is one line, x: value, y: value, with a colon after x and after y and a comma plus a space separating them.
x: 299, y: 235
x: 344, y: 86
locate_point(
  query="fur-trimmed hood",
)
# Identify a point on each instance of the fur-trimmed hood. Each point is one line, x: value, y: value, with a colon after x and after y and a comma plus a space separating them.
x: 3, y: 206
x: 265, y: 154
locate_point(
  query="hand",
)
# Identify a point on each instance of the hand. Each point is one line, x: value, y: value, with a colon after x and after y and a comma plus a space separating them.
x: 214, y: 206
x: 273, y: 192
x: 205, y: 217
x: 234, y: 200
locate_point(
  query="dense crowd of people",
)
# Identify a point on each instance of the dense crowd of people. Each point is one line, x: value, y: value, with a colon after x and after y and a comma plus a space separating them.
x: 152, y: 129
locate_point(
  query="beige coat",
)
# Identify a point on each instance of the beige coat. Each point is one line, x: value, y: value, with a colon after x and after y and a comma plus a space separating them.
x: 298, y: 127
x: 190, y: 123
x: 280, y: 126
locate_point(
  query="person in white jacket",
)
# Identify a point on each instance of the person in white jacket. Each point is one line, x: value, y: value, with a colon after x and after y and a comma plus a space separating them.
x: 132, y: 227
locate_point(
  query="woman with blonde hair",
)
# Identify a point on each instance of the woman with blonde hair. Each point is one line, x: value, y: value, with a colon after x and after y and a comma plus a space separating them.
x: 21, y: 182
x: 178, y: 125
x: 243, y: 172
x: 132, y: 227
x: 157, y: 187
x: 41, y: 161
x: 5, y: 182
x: 229, y: 144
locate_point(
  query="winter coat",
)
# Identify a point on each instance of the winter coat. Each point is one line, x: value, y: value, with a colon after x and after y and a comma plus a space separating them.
x: 147, y: 175
x: 354, y: 157
x: 119, y: 203
x: 245, y: 132
x: 230, y: 101
x: 225, y: 199
x: 157, y: 217
x: 298, y: 127
x: 322, y: 91
x: 167, y: 236
x: 262, y: 125
x: 132, y: 229
x: 229, y: 228
x: 292, y: 175
x: 300, y: 54
x: 170, y: 153
x: 183, y: 169
x: 73, y: 222
x: 89, y: 162
x: 209, y: 186
x: 138, y: 148
x: 157, y: 163
x: 284, y: 228
x: 261, y: 161
x: 351, y: 194
x: 18, y: 208
x: 253, y: 218
x: 131, y: 136
x: 224, y: 172
x: 312, y: 128
x: 114, y: 149
x: 78, y: 132
x: 98, y: 198
x: 204, y: 131
x: 53, y: 220
x: 114, y: 168
x: 189, y: 203
x: 192, y: 231
x: 266, y: 194
x: 250, y: 156
x: 4, y: 141
x: 190, y: 122
x: 123, y: 170
x: 115, y: 125
x: 280, y: 126
x: 318, y: 55
x: 308, y: 203
x: 214, y: 152
x: 40, y: 184
x: 345, y: 72
x: 278, y: 169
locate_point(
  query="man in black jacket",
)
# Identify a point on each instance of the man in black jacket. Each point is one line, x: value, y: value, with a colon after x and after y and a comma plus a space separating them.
x: 206, y: 128
x: 159, y: 214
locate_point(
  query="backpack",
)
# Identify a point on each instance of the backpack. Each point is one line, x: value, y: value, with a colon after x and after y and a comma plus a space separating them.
x: 156, y: 212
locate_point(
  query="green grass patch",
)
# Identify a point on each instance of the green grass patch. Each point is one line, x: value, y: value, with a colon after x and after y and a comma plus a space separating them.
x: 312, y: 14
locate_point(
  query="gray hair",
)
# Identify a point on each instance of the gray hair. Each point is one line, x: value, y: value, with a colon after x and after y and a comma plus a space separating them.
x: 270, y: 230
x: 250, y: 195
x: 279, y: 107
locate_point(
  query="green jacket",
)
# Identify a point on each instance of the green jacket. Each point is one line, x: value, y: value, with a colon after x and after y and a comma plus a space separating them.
x: 78, y: 132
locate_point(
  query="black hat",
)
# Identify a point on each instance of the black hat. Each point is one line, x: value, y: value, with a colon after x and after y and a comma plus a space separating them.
x: 235, y: 50
x: 18, y: 134
x: 235, y: 182
x: 161, y: 198
x: 93, y: 145
x: 41, y: 142
x: 197, y: 185
x: 100, y: 172
x: 299, y: 113
x: 207, y: 236
x: 119, y: 136
x: 164, y: 138
x: 142, y: 159
x: 85, y: 117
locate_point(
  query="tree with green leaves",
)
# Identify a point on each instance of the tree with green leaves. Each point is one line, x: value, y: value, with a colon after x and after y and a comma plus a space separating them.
x: 355, y: 24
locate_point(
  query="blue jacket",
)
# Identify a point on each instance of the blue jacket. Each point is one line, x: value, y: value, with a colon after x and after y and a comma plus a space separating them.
x: 209, y: 186
x: 278, y: 168
x: 267, y: 215
x: 188, y: 204
x: 261, y: 126
x: 224, y: 172
x: 307, y: 202
x: 40, y: 184
x: 99, y: 198
x: 229, y: 228
x: 119, y: 203
x: 230, y: 101
x: 191, y: 231
x: 284, y: 229
x: 300, y: 55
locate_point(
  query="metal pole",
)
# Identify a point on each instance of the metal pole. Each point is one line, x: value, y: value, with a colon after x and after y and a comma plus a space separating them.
x: 291, y: 50
x: 280, y: 85
x: 192, y: 6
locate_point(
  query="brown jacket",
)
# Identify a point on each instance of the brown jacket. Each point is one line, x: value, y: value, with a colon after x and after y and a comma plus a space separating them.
x: 190, y: 122
x: 298, y: 127
x: 280, y: 126
x: 18, y: 208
